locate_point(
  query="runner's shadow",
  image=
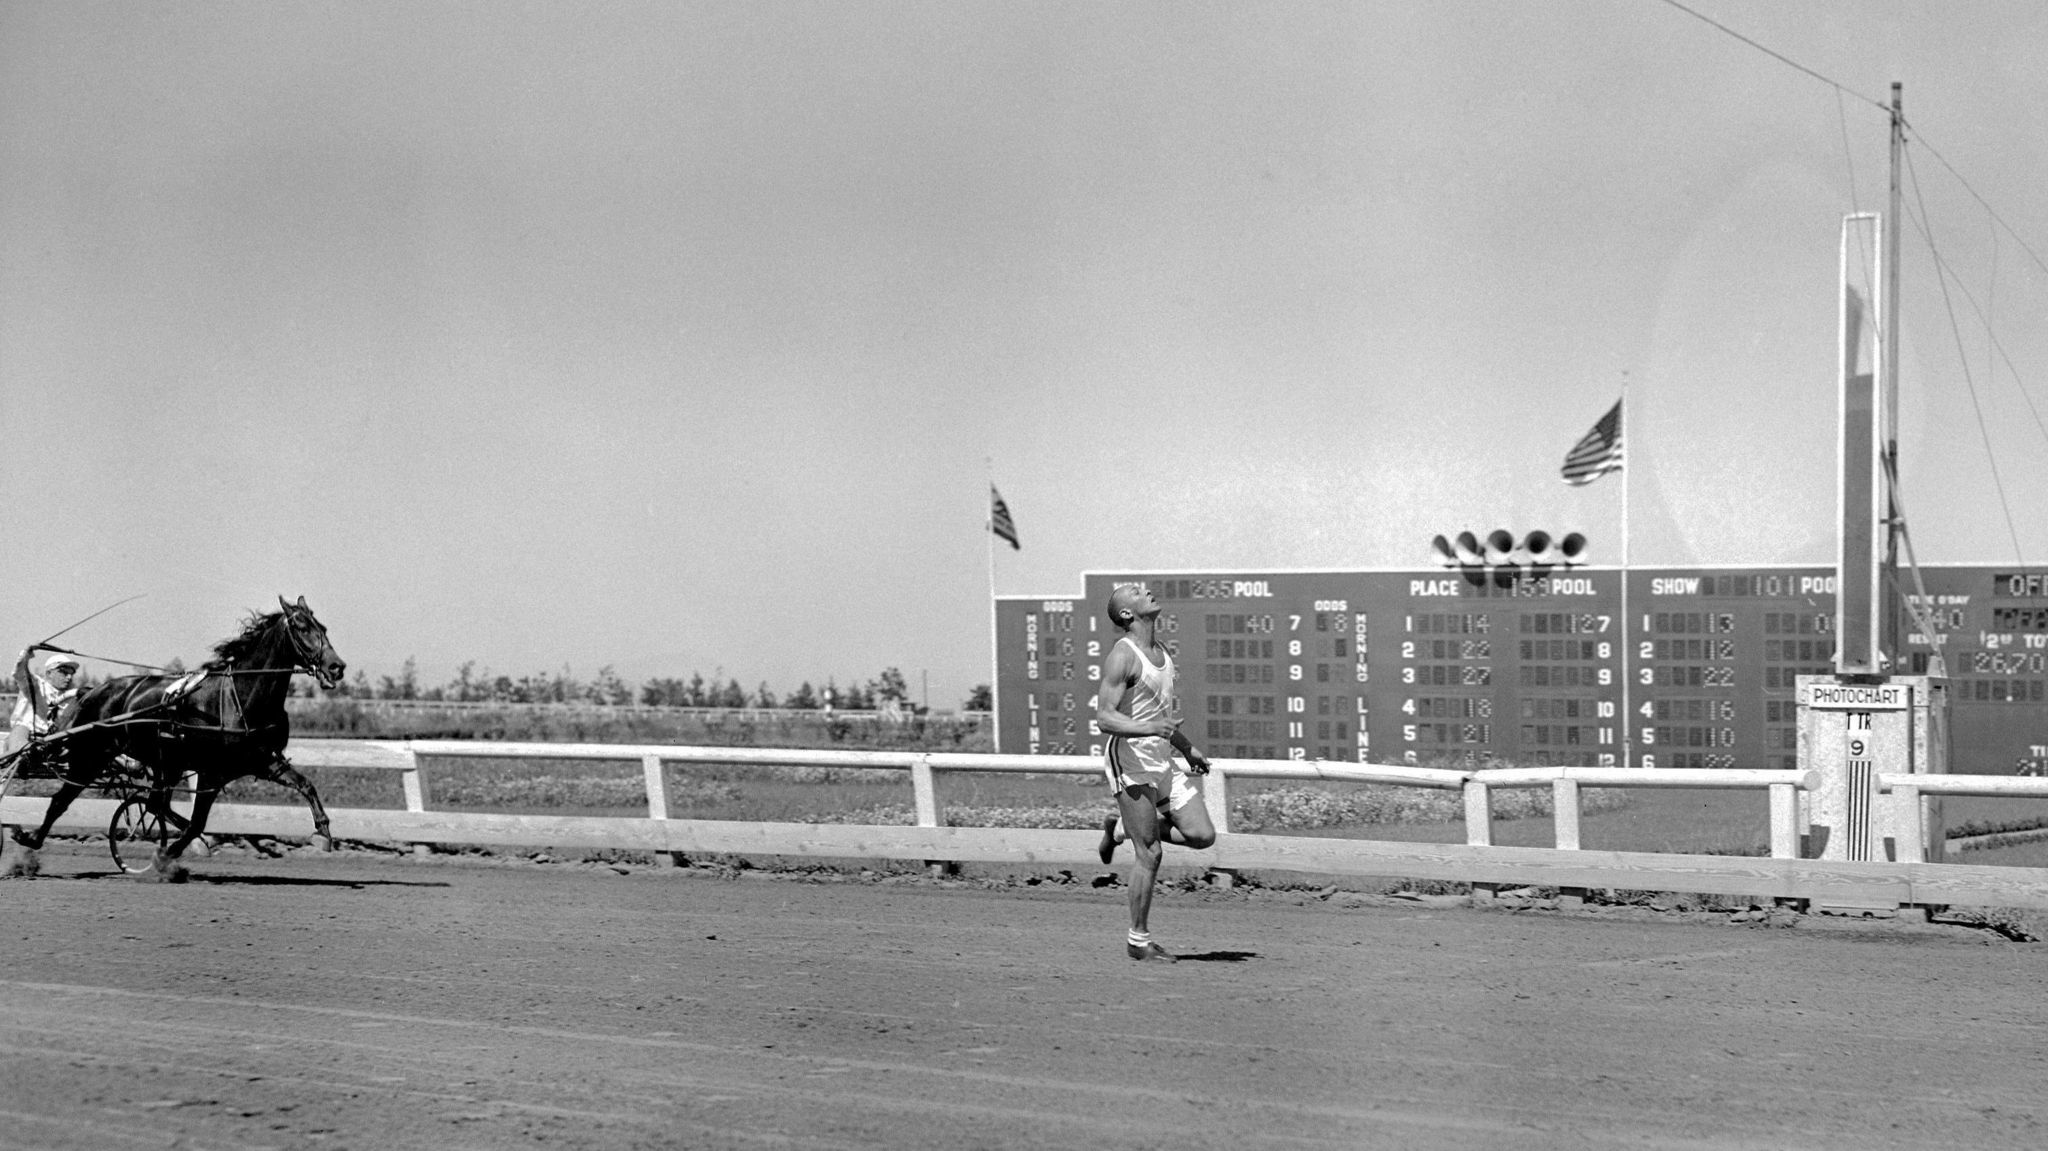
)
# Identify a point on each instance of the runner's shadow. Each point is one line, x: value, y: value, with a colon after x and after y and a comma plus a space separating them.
x: 1218, y: 957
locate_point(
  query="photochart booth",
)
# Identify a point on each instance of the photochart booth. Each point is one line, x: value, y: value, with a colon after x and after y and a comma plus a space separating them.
x: 1864, y: 722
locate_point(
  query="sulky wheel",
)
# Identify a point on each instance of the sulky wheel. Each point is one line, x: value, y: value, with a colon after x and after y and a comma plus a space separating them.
x: 135, y: 835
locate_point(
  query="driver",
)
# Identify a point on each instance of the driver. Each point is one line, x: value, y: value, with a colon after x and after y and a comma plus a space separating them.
x: 47, y: 701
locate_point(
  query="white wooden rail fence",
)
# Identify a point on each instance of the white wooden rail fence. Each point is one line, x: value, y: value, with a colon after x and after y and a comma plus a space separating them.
x: 1783, y: 875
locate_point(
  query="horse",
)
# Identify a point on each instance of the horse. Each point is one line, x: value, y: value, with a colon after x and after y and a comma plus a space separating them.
x: 222, y: 723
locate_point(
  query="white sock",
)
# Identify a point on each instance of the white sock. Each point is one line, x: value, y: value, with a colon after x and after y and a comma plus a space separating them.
x: 1140, y: 938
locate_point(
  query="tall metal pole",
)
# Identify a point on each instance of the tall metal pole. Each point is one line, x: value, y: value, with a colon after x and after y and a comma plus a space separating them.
x: 1628, y: 717
x: 1888, y: 388
x: 995, y: 663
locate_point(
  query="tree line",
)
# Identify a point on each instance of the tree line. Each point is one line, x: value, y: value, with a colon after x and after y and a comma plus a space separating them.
x: 608, y: 689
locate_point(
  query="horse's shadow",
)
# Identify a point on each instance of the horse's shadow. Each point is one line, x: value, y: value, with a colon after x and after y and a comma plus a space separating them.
x: 303, y: 881
x: 1218, y: 957
x: 264, y: 880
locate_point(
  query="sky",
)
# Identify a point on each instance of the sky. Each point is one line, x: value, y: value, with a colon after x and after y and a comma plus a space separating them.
x: 687, y: 337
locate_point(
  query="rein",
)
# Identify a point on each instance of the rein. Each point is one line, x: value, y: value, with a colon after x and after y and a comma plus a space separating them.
x: 146, y: 715
x: 105, y: 658
x: 303, y: 661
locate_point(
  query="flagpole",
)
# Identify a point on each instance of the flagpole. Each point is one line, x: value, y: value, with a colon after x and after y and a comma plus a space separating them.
x: 1628, y: 715
x: 995, y: 699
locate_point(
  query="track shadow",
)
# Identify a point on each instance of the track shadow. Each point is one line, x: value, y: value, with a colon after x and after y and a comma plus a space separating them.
x: 1218, y: 957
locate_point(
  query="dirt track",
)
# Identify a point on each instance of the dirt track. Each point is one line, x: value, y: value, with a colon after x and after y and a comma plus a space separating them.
x: 375, y: 1002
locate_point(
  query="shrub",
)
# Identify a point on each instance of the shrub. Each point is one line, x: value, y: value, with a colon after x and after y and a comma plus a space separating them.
x: 1304, y: 808
x: 1281, y: 809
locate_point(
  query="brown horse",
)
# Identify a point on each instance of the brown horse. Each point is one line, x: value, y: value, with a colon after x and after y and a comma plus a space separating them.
x: 222, y: 723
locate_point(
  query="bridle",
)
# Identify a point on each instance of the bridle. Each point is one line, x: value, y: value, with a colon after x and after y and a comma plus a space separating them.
x: 309, y: 662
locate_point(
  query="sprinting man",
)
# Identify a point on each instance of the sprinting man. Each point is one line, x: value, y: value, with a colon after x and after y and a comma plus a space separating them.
x: 1158, y: 799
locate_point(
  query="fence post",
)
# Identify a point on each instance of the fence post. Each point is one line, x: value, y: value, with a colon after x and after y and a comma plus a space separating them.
x: 924, y: 786
x: 417, y: 794
x: 1478, y: 814
x: 1479, y: 828
x: 1564, y: 804
x: 1784, y: 821
x: 657, y: 801
x: 1912, y: 842
x: 1216, y: 798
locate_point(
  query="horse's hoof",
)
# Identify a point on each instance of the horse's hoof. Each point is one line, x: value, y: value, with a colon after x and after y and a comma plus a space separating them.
x: 25, y: 864
x: 322, y: 843
x: 164, y: 869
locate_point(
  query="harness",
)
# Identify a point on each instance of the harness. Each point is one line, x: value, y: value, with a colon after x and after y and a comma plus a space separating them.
x: 231, y: 708
x: 183, y: 685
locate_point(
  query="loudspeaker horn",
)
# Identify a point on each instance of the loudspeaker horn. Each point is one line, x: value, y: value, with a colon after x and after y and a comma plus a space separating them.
x: 1500, y: 547
x: 1468, y: 550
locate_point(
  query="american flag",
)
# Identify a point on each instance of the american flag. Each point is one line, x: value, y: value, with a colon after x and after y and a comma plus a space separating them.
x: 1598, y: 453
x: 999, y: 520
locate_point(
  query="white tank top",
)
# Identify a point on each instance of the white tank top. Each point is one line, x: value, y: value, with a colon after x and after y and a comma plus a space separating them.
x: 1135, y: 759
x: 1152, y: 696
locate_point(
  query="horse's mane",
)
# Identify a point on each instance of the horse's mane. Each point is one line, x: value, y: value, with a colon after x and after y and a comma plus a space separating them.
x: 237, y: 649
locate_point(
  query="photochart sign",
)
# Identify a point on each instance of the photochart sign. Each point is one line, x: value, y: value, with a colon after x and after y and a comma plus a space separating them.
x: 1857, y: 696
